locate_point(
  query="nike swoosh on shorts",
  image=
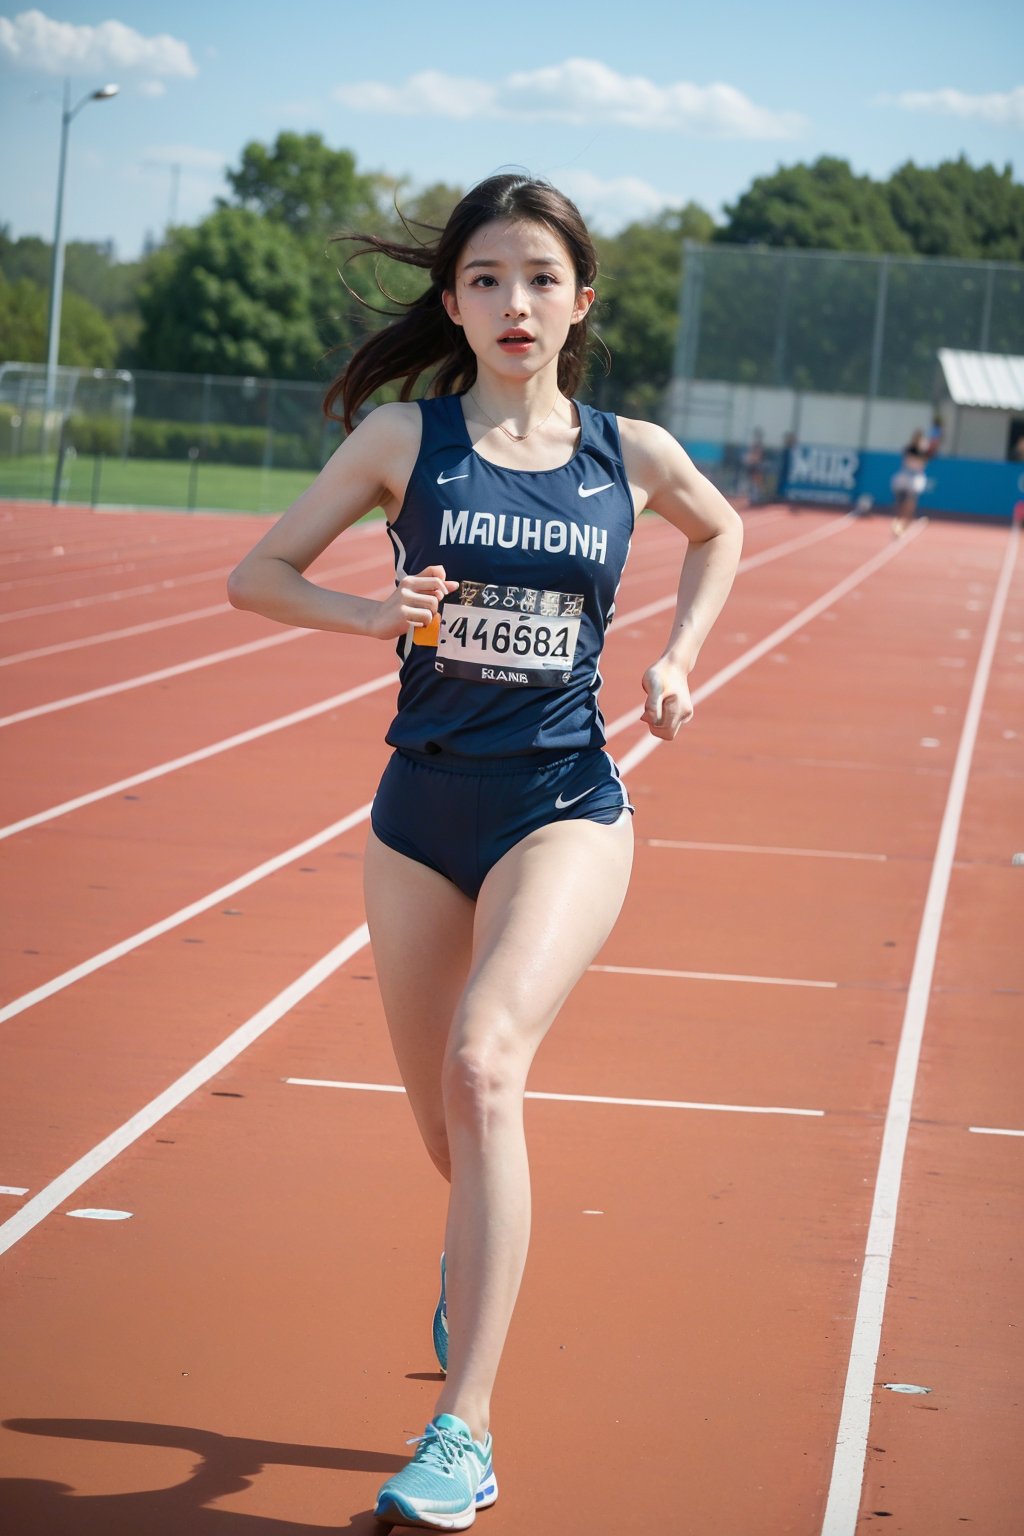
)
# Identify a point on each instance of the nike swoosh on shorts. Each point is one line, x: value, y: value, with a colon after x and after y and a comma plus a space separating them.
x: 563, y: 805
x: 443, y: 479
x: 592, y: 490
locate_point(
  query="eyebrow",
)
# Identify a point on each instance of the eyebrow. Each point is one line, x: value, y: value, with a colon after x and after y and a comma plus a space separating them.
x: 532, y: 261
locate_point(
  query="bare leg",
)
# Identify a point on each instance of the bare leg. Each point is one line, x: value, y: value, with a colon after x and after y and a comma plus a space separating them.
x: 421, y: 927
x: 543, y: 913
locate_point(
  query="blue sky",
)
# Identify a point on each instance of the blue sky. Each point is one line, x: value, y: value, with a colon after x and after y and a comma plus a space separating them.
x: 628, y: 107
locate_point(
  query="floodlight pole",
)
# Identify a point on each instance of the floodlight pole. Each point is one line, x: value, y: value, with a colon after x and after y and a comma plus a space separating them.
x: 68, y: 116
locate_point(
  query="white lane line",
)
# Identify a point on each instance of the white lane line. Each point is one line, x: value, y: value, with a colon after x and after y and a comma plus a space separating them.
x: 763, y: 981
x: 99, y: 1213
x: 855, y: 1418
x: 211, y: 659
x: 155, y: 930
x: 194, y: 615
x: 71, y: 1180
x: 748, y: 563
x: 646, y: 745
x: 576, y: 1098
x: 134, y: 558
x: 87, y: 967
x: 214, y: 658
x: 221, y: 571
x: 92, y: 796
x: 12, y: 1189
x: 992, y: 1130
x: 71, y: 603
x: 801, y: 853
x: 41, y: 1205
x: 338, y: 701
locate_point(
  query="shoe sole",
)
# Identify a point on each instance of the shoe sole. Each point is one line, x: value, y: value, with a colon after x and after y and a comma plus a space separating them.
x: 395, y: 1511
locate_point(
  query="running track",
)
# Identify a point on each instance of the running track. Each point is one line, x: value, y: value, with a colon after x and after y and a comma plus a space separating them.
x: 777, y: 1133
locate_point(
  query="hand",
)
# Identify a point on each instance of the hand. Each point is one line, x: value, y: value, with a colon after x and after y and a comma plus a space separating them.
x: 668, y: 699
x: 414, y: 601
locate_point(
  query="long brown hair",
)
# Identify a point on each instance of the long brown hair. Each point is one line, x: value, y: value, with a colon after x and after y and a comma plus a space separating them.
x: 423, y: 336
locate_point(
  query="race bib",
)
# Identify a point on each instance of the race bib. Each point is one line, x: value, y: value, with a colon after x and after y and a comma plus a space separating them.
x: 518, y: 636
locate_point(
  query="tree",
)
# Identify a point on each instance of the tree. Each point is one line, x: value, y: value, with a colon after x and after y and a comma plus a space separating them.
x: 231, y: 296
x: 822, y: 207
x: 637, y: 313
x: 91, y: 270
x: 955, y: 209
x: 86, y: 338
x: 299, y: 181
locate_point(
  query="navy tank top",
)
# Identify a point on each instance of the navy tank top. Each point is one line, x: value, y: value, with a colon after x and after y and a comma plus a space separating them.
x: 512, y: 667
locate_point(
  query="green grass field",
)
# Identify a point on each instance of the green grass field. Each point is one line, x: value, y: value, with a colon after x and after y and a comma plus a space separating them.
x: 154, y: 483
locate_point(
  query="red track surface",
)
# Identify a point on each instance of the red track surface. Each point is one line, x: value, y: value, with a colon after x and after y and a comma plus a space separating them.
x: 248, y: 1350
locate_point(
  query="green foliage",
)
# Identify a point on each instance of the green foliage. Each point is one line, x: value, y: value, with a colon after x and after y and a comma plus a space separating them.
x: 954, y: 209
x: 638, y: 305
x: 86, y: 338
x: 230, y: 296
x: 93, y: 273
x: 299, y: 181
x: 822, y: 207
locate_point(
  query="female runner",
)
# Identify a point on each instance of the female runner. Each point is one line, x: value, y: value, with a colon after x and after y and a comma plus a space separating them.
x: 501, y: 837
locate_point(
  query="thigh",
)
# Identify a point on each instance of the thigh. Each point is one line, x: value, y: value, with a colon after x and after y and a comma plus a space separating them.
x: 421, y: 929
x: 543, y: 913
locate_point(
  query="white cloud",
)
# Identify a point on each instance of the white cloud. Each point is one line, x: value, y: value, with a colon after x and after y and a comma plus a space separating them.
x: 151, y: 88
x: 37, y: 42
x: 607, y: 206
x: 1004, y: 108
x: 578, y: 91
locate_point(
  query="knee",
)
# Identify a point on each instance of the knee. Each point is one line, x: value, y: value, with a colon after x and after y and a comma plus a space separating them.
x: 483, y: 1083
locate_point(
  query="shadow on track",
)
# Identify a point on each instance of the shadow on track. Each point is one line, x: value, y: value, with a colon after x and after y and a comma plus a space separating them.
x: 227, y: 1465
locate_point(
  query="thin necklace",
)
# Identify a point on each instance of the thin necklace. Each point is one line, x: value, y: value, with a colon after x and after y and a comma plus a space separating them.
x: 516, y: 437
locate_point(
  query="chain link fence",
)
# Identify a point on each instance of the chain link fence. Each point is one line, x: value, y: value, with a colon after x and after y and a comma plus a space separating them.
x: 160, y: 439
x: 823, y: 346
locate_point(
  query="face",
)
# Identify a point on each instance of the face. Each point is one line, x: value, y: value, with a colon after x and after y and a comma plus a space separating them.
x: 515, y: 296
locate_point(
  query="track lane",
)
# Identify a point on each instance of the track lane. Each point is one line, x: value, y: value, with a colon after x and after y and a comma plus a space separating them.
x: 733, y: 1277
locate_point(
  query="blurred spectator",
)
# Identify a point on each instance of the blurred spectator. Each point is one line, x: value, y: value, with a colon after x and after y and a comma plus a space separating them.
x: 752, y: 479
x: 910, y: 480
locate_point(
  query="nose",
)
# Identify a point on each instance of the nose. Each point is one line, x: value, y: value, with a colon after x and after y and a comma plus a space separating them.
x: 518, y: 302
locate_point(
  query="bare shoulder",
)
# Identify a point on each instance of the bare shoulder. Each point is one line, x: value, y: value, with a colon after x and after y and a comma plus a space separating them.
x: 665, y: 479
x: 388, y: 438
x: 651, y: 454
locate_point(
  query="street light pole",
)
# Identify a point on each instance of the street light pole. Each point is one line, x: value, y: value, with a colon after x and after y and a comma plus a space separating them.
x: 68, y: 115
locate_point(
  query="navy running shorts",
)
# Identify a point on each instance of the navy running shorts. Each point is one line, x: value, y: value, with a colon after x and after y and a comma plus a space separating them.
x: 459, y: 815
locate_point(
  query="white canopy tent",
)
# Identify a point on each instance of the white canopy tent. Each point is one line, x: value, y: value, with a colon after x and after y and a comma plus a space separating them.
x: 986, y: 393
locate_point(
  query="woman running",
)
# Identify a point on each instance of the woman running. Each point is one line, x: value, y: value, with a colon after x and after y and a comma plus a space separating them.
x: 910, y: 482
x: 501, y: 837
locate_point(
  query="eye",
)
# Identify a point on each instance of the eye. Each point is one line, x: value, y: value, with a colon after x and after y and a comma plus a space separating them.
x: 546, y: 279
x: 483, y: 280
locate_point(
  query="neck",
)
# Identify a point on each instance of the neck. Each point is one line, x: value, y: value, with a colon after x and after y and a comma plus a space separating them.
x: 517, y: 411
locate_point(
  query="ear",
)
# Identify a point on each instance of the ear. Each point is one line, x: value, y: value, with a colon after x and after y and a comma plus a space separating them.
x: 451, y: 306
x: 584, y: 298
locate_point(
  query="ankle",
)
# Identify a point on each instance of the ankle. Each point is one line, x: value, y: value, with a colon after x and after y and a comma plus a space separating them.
x: 475, y: 1420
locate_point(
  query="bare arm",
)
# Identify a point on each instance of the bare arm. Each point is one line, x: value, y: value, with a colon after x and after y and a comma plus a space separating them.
x: 664, y: 479
x: 371, y: 468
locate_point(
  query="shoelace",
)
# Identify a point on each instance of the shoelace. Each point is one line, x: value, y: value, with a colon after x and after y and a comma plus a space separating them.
x: 439, y: 1448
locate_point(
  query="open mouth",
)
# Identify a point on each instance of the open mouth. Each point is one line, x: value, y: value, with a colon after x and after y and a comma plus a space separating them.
x: 515, y: 339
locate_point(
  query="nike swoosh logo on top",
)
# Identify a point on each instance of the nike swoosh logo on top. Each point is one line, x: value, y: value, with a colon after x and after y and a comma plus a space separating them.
x: 443, y: 479
x: 563, y: 805
x: 592, y: 490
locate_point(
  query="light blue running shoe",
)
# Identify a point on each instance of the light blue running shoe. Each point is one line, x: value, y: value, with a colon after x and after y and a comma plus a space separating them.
x: 441, y: 1327
x: 450, y: 1477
